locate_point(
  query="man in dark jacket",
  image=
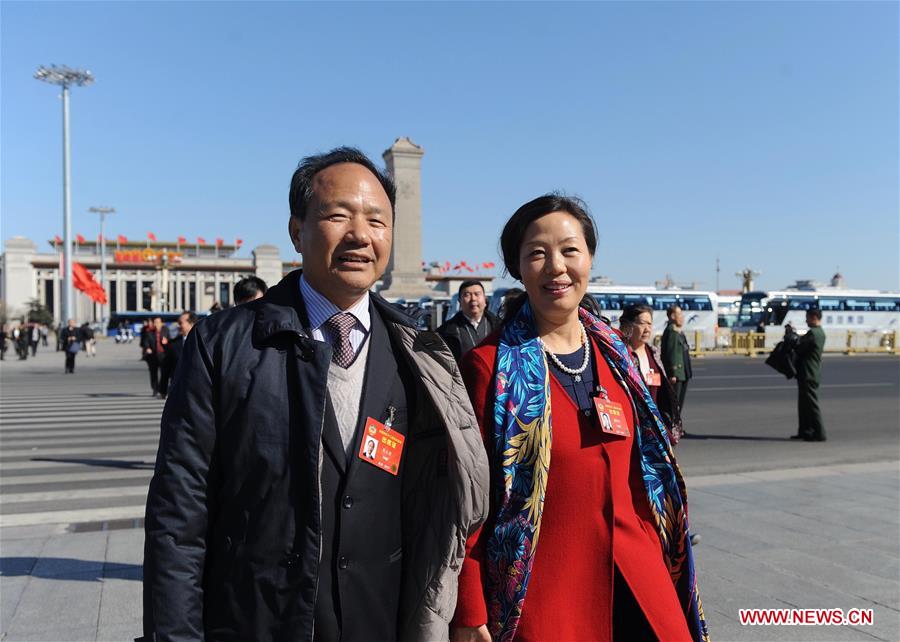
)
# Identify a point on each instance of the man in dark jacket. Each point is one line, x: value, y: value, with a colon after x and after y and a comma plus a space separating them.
x: 676, y: 353
x: 71, y: 339
x: 265, y: 521
x: 154, y: 339
x: 809, y: 375
x: 468, y: 327
x: 173, y: 349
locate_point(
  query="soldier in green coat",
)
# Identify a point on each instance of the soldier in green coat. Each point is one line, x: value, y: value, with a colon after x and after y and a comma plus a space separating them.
x: 676, y: 353
x: 809, y: 375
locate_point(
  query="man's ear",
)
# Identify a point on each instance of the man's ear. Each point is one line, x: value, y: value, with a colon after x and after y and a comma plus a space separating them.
x: 295, y: 229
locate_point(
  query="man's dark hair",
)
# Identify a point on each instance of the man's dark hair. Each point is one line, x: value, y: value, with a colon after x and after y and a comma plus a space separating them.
x: 816, y: 313
x: 469, y: 284
x: 302, y: 181
x: 247, y: 288
x: 191, y: 317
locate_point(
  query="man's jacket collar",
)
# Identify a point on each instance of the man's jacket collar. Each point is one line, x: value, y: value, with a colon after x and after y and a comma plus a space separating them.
x: 282, y: 310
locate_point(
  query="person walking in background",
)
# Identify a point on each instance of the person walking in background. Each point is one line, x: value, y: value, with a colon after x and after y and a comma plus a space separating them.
x: 636, y: 326
x: 173, y: 351
x: 90, y: 343
x: 249, y: 289
x: 21, y: 334
x: 468, y: 327
x: 153, y: 346
x: 809, y: 376
x: 676, y: 354
x: 265, y: 520
x: 71, y: 339
x: 3, y: 337
x: 587, y: 536
x: 34, y: 338
x: 44, y: 332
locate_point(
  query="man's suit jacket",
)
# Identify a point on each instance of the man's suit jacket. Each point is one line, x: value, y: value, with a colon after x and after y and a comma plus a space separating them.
x: 360, y: 568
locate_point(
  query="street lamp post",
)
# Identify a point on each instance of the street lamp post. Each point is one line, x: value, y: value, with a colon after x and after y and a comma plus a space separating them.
x: 103, y: 211
x: 64, y: 77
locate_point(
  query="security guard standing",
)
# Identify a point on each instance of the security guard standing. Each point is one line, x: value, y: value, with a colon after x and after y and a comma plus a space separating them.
x: 676, y: 353
x: 809, y: 376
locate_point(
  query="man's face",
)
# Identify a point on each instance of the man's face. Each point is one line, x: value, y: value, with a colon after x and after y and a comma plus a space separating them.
x: 346, y: 236
x: 812, y: 321
x: 472, y: 301
x: 370, y: 447
x: 184, y: 325
x: 678, y: 317
x: 157, y: 323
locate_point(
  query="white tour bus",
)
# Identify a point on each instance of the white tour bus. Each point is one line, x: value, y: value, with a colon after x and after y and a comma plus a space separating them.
x: 700, y: 307
x: 862, y: 311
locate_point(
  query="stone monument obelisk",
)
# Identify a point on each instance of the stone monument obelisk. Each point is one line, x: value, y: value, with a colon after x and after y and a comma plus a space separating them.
x: 404, y: 277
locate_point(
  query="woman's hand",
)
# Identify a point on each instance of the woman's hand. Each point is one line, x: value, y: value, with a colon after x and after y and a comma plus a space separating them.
x: 470, y: 634
x: 673, y: 380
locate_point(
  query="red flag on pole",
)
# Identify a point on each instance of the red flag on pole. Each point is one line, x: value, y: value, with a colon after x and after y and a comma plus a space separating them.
x: 238, y: 242
x: 83, y: 280
x: 57, y: 240
x: 79, y: 238
x: 151, y: 236
x: 182, y: 240
x: 219, y: 242
x: 122, y: 239
x: 201, y: 240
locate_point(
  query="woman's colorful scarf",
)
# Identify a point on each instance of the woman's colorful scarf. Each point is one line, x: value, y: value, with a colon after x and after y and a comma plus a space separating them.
x: 523, y: 435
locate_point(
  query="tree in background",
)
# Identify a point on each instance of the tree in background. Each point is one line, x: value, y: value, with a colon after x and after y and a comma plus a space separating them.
x: 38, y: 313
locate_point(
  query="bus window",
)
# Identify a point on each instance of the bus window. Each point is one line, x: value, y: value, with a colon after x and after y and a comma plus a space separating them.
x: 859, y: 305
x: 696, y: 303
x: 751, y: 312
x: 886, y: 305
x: 830, y: 304
x: 802, y: 303
x: 664, y: 302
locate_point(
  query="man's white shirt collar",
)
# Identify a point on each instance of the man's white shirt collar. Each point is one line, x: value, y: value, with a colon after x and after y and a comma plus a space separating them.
x: 319, y: 309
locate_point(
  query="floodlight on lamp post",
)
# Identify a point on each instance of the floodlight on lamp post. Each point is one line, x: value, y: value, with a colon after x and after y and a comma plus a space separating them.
x: 65, y: 77
x: 103, y: 212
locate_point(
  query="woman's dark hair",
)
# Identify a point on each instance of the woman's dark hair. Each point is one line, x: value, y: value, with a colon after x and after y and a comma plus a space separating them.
x: 301, y: 191
x: 514, y: 232
x: 631, y: 312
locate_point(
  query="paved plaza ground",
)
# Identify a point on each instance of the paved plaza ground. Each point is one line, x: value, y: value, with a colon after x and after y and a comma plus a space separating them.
x: 783, y: 524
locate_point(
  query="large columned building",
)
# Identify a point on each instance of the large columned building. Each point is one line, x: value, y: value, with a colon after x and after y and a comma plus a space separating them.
x: 155, y: 276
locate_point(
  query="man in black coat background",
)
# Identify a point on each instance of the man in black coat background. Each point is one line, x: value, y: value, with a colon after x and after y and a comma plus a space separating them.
x: 468, y: 327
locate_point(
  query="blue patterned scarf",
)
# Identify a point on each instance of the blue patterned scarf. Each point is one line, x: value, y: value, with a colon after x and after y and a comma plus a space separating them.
x: 522, y: 441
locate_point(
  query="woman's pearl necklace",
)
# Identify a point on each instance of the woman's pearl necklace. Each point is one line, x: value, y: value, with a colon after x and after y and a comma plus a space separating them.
x: 575, y: 372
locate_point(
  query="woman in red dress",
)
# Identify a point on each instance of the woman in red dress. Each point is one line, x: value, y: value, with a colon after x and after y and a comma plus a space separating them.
x: 587, y: 536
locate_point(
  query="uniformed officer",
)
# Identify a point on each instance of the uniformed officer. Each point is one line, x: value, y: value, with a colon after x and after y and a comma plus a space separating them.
x: 676, y: 353
x: 809, y: 375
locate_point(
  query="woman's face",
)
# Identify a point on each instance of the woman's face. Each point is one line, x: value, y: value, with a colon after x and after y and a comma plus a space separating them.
x: 641, y: 329
x: 555, y: 265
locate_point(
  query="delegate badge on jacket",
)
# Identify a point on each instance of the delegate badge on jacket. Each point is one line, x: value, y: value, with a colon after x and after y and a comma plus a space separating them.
x: 653, y: 378
x: 612, y: 417
x: 381, y: 446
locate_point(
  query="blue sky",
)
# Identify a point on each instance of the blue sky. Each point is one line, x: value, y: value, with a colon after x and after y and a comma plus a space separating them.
x: 762, y: 133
